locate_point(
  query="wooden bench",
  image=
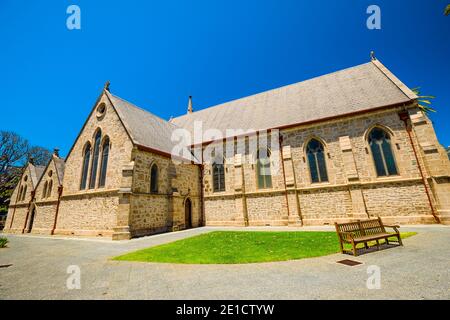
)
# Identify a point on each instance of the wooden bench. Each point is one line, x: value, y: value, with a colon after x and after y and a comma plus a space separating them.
x: 364, y: 231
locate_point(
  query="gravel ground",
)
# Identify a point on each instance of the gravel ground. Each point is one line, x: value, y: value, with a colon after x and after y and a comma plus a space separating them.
x: 419, y: 270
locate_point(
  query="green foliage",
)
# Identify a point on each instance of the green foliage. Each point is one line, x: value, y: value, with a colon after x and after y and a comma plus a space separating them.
x: 447, y: 10
x: 3, y: 242
x: 424, y: 101
x: 228, y: 247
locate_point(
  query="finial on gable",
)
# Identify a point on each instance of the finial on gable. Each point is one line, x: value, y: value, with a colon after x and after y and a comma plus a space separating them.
x: 190, y: 110
x: 106, y: 87
x: 56, y: 152
x: 372, y: 55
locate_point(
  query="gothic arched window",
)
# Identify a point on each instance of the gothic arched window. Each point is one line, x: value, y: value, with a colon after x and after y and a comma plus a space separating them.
x: 44, y: 191
x: 49, y: 189
x: 85, y: 166
x: 19, y: 196
x: 24, y: 194
x: 383, y: 157
x: 316, y: 160
x: 154, y: 179
x: 104, y: 162
x: 263, y: 169
x: 218, y: 171
x: 98, y: 138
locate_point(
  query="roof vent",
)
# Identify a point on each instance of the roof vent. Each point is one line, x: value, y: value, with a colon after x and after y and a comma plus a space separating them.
x: 190, y: 110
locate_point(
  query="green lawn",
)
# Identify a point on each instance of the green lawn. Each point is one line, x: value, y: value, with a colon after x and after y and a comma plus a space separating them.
x: 227, y: 247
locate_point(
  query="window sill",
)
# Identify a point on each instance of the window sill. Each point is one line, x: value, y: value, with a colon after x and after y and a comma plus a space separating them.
x: 318, y: 184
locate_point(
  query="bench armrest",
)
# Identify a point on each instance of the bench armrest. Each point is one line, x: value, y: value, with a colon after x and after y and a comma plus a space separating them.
x: 392, y: 225
x: 395, y: 227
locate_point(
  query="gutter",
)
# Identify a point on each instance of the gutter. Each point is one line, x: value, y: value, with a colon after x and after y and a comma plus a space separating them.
x: 404, y: 116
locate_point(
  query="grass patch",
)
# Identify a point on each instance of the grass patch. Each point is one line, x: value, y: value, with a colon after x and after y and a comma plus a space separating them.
x: 3, y: 242
x: 229, y: 247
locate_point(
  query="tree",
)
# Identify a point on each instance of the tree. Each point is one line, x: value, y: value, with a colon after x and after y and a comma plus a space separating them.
x: 424, y: 101
x: 447, y: 10
x: 15, y: 152
x: 40, y: 155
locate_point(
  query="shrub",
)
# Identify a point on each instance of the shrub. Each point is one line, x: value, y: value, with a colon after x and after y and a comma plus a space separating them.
x: 3, y: 242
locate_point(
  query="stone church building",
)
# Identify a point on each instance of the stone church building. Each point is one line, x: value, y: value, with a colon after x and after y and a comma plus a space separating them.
x: 350, y: 145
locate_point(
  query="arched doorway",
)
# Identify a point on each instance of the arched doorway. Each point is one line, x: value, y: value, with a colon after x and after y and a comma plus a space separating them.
x: 188, y: 214
x: 30, y: 224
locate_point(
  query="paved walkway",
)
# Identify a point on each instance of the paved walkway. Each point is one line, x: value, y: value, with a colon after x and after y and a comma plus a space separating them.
x: 419, y: 270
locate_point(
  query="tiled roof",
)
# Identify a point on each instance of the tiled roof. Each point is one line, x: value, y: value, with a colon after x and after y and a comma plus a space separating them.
x: 60, y: 166
x: 360, y: 88
x: 144, y: 128
x: 36, y: 173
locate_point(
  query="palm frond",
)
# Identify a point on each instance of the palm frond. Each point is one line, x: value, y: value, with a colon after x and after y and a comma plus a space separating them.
x: 423, y: 102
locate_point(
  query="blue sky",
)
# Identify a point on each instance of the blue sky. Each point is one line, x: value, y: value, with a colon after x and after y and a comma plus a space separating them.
x: 157, y: 53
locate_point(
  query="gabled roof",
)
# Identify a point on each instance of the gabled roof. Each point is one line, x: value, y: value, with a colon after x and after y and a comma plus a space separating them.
x: 59, y: 165
x: 36, y: 173
x: 144, y: 128
x: 357, y: 89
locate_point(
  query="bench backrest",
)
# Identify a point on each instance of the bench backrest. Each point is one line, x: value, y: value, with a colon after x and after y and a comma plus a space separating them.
x: 353, y: 227
x: 373, y: 226
x: 361, y: 227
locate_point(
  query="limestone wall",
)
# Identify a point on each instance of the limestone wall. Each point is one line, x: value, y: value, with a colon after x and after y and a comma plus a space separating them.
x: 119, y: 154
x: 89, y: 214
x: 152, y: 212
x: 353, y: 191
x: 18, y: 215
x: 44, y: 217
x: 93, y: 211
x: 46, y: 204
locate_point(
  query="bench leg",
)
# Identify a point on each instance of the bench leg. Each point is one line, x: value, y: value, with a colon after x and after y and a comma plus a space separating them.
x: 387, y: 240
x: 378, y: 245
x: 341, y: 245
x: 399, y: 240
x: 366, y: 245
x: 354, y: 249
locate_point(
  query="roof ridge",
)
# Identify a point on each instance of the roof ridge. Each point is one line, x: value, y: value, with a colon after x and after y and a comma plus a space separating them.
x: 396, y: 81
x: 270, y: 90
x: 142, y: 109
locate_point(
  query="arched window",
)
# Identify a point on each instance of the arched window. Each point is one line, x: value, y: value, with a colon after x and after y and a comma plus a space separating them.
x: 154, y: 179
x: 98, y: 138
x: 19, y: 196
x: 316, y: 161
x: 383, y: 157
x: 44, y: 191
x: 49, y: 189
x: 263, y: 169
x: 24, y: 193
x: 218, y: 175
x: 84, y: 172
x: 104, y: 163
